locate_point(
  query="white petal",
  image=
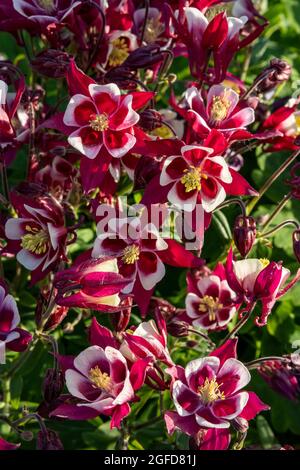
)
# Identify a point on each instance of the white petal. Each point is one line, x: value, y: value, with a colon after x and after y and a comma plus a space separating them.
x: 28, y: 260
x: 76, y: 100
x: 89, y: 151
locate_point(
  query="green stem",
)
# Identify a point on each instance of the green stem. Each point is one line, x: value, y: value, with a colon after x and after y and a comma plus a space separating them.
x: 257, y: 362
x: 6, y: 396
x: 240, y: 324
x: 277, y: 210
x: 232, y: 201
x: 147, y: 424
x: 271, y: 180
x: 278, y: 227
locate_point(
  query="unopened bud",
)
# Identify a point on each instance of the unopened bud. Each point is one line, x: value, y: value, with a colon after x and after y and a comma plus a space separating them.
x: 52, y: 385
x: 51, y: 63
x: 150, y: 119
x: 277, y: 72
x: 244, y: 234
x: 178, y: 328
x: 296, y: 244
x: 48, y: 440
x: 27, y: 436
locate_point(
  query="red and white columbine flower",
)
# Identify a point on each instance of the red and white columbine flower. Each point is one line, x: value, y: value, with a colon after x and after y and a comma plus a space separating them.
x: 258, y: 279
x: 103, y: 119
x: 90, y: 283
x: 136, y: 246
x: 100, y: 379
x: 222, y: 110
x: 12, y: 337
x: 38, y: 235
x: 196, y: 177
x: 208, y: 393
x: 211, y: 304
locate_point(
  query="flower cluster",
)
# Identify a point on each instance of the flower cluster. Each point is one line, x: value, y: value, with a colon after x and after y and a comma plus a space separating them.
x: 118, y: 167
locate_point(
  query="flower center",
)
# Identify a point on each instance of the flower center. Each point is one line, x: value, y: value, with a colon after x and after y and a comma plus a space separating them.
x: 210, y: 391
x: 47, y: 5
x: 119, y: 53
x: 192, y: 179
x: 100, y: 379
x: 265, y: 262
x: 99, y: 123
x: 153, y: 29
x: 131, y: 254
x: 210, y: 305
x: 219, y: 108
x: 35, y: 241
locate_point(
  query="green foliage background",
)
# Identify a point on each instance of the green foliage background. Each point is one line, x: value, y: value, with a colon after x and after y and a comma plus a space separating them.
x: 282, y: 423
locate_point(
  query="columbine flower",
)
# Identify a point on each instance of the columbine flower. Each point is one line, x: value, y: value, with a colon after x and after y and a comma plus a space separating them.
x: 6, y: 130
x: 257, y: 279
x: 45, y: 11
x: 195, y: 176
x: 90, y: 283
x: 120, y: 44
x: 286, y: 120
x: 154, y: 27
x: 282, y: 376
x: 105, y: 118
x: 38, y: 235
x: 222, y: 110
x: 141, y: 254
x: 208, y: 393
x: 100, y: 380
x: 211, y: 304
x: 12, y: 337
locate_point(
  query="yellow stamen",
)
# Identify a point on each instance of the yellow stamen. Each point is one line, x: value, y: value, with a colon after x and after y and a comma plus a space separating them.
x: 99, y: 123
x: 297, y: 119
x: 265, y: 262
x: 36, y: 241
x: 210, y: 391
x: 119, y: 53
x: 131, y: 254
x: 47, y: 5
x: 153, y: 29
x: 163, y: 131
x: 192, y: 179
x: 219, y: 108
x: 100, y: 379
x: 210, y: 305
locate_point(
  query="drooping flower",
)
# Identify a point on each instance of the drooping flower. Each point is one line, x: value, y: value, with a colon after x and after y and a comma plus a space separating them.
x: 208, y: 393
x: 103, y: 119
x: 38, y: 235
x: 45, y: 11
x: 282, y: 376
x: 11, y: 337
x: 211, y: 304
x: 257, y: 279
x: 286, y: 120
x: 90, y: 283
x: 222, y: 110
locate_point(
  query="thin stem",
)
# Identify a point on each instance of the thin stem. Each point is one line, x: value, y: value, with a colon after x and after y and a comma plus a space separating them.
x: 278, y: 227
x: 147, y: 424
x: 277, y: 210
x: 202, y: 335
x: 5, y: 184
x: 145, y: 20
x: 271, y: 180
x: 22, y: 359
x: 257, y: 362
x: 97, y: 45
x: 232, y: 201
x: 6, y: 396
x: 240, y: 324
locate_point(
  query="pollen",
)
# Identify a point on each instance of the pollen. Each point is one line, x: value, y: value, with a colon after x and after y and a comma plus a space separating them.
x: 154, y: 28
x: 99, y: 123
x: 131, y: 254
x: 265, y: 262
x: 192, y: 179
x: 219, y: 108
x: 119, y: 53
x: 35, y: 240
x: 48, y: 5
x: 100, y: 379
x: 210, y: 305
x: 210, y: 391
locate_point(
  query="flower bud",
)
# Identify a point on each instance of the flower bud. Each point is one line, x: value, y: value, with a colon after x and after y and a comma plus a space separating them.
x: 143, y: 57
x: 48, y: 440
x: 51, y: 63
x: 178, y: 328
x: 244, y: 234
x: 296, y: 244
x: 150, y: 120
x: 294, y: 181
x: 145, y: 170
x: 27, y: 436
x: 277, y: 72
x: 52, y: 385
